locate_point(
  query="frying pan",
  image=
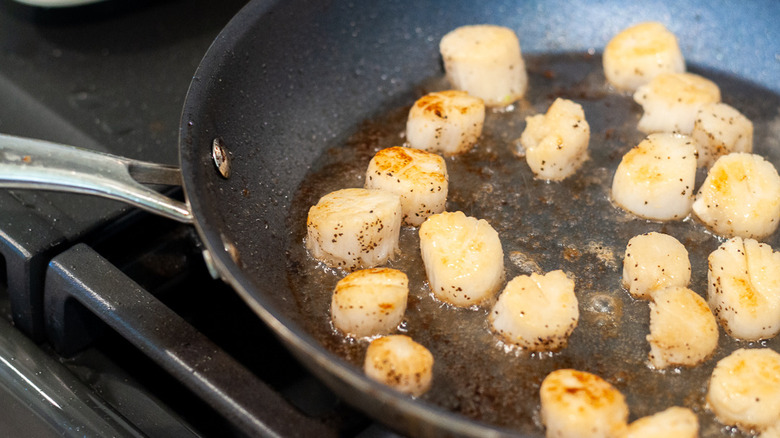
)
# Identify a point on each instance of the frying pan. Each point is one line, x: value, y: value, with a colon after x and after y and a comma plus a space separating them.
x: 285, y: 82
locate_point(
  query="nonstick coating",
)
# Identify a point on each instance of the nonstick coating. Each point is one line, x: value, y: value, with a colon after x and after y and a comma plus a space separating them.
x: 286, y: 81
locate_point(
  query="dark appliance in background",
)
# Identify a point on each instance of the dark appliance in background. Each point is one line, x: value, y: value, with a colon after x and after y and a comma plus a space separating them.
x: 112, y: 325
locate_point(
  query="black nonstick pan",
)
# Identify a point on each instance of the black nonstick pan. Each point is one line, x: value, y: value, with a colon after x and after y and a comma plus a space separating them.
x: 293, y: 98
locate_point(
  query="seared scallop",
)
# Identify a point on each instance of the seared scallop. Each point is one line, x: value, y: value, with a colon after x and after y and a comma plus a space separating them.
x: 639, y: 53
x: 555, y: 144
x: 354, y: 228
x: 744, y: 390
x: 418, y: 177
x: 740, y: 197
x: 654, y: 261
x: 486, y: 62
x: 449, y: 122
x: 463, y: 258
x: 683, y: 330
x: 674, y: 422
x: 720, y: 129
x: 401, y: 363
x: 671, y: 101
x: 655, y: 179
x: 369, y: 302
x: 536, y: 312
x: 744, y: 288
x: 578, y: 404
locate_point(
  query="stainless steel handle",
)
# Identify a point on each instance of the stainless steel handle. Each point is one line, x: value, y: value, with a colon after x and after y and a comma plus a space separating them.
x: 36, y: 164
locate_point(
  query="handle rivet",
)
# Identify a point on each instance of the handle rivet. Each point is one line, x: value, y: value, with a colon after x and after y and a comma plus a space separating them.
x: 221, y: 157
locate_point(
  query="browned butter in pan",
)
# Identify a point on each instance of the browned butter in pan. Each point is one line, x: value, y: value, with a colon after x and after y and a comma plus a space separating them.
x: 569, y: 225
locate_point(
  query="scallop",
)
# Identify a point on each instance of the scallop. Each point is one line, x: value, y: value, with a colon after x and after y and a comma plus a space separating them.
x: 555, y: 144
x: 639, y: 53
x: 486, y: 62
x: 744, y: 288
x: 354, y: 228
x: 655, y: 179
x: 369, y: 302
x: 671, y: 101
x: 654, y: 261
x: 536, y: 312
x: 683, y: 330
x: 400, y: 363
x: 449, y: 122
x: 740, y: 197
x: 578, y: 404
x: 721, y: 129
x: 463, y: 258
x: 418, y: 177
x: 744, y: 390
x: 674, y: 422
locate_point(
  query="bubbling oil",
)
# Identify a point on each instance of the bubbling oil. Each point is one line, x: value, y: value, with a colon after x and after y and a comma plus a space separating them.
x: 570, y: 225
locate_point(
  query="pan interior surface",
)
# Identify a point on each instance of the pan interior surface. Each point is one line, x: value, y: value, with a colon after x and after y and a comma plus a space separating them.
x: 570, y: 225
x: 289, y: 107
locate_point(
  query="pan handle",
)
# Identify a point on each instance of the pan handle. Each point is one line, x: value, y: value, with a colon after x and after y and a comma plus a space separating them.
x: 36, y: 164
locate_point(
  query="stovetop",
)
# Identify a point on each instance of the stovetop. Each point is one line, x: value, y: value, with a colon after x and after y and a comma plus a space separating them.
x: 111, y: 323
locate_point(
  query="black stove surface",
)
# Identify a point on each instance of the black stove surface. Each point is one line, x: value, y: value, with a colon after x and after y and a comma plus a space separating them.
x: 112, y: 325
